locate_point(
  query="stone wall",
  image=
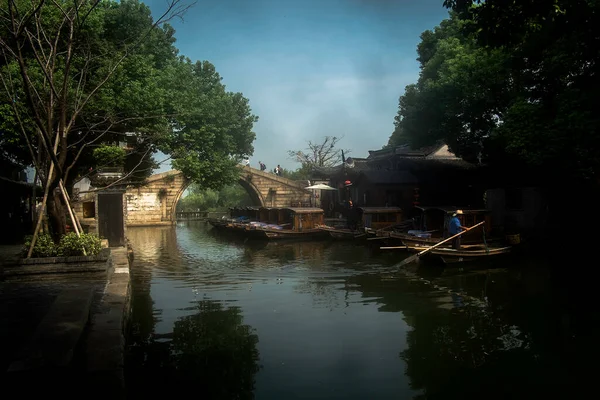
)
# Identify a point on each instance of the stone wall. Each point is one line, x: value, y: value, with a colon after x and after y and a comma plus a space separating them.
x: 155, y: 202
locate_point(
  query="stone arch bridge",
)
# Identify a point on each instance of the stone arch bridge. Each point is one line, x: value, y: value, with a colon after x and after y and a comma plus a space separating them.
x: 156, y: 201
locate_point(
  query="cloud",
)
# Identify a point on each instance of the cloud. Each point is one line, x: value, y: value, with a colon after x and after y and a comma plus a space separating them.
x: 313, y: 68
x: 360, y: 109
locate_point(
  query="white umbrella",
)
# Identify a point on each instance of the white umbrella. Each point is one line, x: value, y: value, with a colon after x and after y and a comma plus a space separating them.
x: 320, y: 186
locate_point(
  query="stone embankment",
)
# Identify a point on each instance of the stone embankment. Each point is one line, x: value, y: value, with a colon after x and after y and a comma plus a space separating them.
x: 63, y: 327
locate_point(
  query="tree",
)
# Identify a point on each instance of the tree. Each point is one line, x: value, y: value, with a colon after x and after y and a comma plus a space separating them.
x: 509, y: 83
x: 60, y: 64
x: 200, y: 198
x: 552, y: 120
x: 213, y: 130
x: 324, y: 154
x: 460, y: 96
x: 300, y: 174
x: 77, y: 75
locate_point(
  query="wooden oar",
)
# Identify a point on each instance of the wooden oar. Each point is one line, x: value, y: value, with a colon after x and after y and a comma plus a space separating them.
x: 427, y: 250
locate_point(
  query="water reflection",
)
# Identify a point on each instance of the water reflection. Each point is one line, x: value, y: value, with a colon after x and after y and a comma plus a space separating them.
x: 336, y: 321
x: 209, y: 353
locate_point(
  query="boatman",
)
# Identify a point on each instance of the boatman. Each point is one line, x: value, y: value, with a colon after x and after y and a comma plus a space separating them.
x: 455, y: 227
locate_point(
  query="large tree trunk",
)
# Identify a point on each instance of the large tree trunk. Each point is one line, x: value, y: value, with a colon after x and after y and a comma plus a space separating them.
x: 56, y: 215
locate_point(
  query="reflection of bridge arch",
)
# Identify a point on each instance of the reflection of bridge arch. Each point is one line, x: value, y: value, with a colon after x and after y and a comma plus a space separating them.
x: 155, y: 203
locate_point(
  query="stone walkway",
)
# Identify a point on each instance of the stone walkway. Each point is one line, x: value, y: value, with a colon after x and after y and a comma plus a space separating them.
x: 63, y: 332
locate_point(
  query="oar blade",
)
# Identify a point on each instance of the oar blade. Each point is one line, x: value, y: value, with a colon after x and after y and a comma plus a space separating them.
x: 407, y: 261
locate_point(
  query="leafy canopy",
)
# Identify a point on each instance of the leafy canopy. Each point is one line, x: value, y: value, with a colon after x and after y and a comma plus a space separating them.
x: 510, y: 83
x: 112, y: 75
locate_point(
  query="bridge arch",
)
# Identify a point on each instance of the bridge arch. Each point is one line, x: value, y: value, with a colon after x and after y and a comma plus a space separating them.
x: 155, y: 202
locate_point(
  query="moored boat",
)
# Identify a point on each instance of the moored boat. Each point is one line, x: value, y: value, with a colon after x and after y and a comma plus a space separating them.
x: 239, y: 218
x: 340, y: 233
x: 288, y: 223
x: 375, y: 220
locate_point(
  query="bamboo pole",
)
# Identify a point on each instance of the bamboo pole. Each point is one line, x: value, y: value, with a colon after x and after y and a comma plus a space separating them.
x: 71, y: 214
x: 74, y: 217
x: 43, y: 208
x: 68, y: 204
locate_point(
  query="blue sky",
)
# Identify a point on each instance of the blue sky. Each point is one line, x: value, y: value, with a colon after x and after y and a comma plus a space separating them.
x: 311, y: 68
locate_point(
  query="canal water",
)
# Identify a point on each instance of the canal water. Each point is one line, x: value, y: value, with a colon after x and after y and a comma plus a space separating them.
x: 214, y: 317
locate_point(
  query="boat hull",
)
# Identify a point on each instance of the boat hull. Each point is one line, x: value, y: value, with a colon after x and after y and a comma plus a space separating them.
x: 343, y: 233
x: 415, y: 241
x: 283, y: 234
x: 465, y: 254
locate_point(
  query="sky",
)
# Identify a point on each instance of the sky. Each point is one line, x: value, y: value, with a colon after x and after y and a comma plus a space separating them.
x: 310, y: 68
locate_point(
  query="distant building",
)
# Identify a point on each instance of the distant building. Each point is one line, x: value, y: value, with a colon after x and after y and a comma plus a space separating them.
x: 404, y: 177
x: 15, y: 202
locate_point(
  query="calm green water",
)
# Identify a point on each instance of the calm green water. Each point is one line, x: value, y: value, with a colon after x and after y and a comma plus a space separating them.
x: 216, y: 318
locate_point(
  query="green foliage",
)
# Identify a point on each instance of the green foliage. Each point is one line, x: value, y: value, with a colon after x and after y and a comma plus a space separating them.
x: 109, y: 156
x: 44, y: 246
x: 133, y: 82
x: 212, y: 200
x: 214, y: 350
x: 71, y: 245
x: 106, y: 72
x: 300, y: 174
x: 213, y: 130
x: 510, y: 83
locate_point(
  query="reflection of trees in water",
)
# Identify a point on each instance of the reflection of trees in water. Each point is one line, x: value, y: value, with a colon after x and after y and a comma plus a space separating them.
x: 324, y: 293
x: 467, y: 353
x: 210, y: 354
x: 459, y: 346
x: 308, y: 252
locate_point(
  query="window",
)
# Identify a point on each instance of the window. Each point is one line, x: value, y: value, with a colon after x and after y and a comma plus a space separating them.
x: 89, y: 209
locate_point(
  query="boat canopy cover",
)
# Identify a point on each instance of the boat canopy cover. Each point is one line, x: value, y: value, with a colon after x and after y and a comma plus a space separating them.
x: 379, y: 210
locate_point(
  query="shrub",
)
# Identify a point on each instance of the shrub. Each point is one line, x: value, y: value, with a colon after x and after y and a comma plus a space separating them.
x: 71, y: 245
x: 44, y: 246
x: 109, y: 156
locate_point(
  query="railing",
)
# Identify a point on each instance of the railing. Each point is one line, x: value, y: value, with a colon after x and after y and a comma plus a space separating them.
x: 191, y: 215
x: 301, y: 204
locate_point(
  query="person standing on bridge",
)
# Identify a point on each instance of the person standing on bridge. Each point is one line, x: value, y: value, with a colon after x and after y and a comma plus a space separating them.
x: 262, y: 166
x: 246, y: 162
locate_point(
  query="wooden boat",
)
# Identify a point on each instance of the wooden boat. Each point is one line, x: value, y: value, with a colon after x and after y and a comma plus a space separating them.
x: 365, y: 222
x: 430, y: 225
x: 465, y: 253
x: 239, y: 218
x: 288, y: 223
x: 339, y: 233
x: 377, y: 219
x: 218, y: 223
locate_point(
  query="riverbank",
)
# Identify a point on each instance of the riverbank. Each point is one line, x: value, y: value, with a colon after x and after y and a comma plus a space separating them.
x: 65, y: 331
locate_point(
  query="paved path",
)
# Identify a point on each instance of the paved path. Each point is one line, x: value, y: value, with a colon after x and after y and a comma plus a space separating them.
x: 44, y: 348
